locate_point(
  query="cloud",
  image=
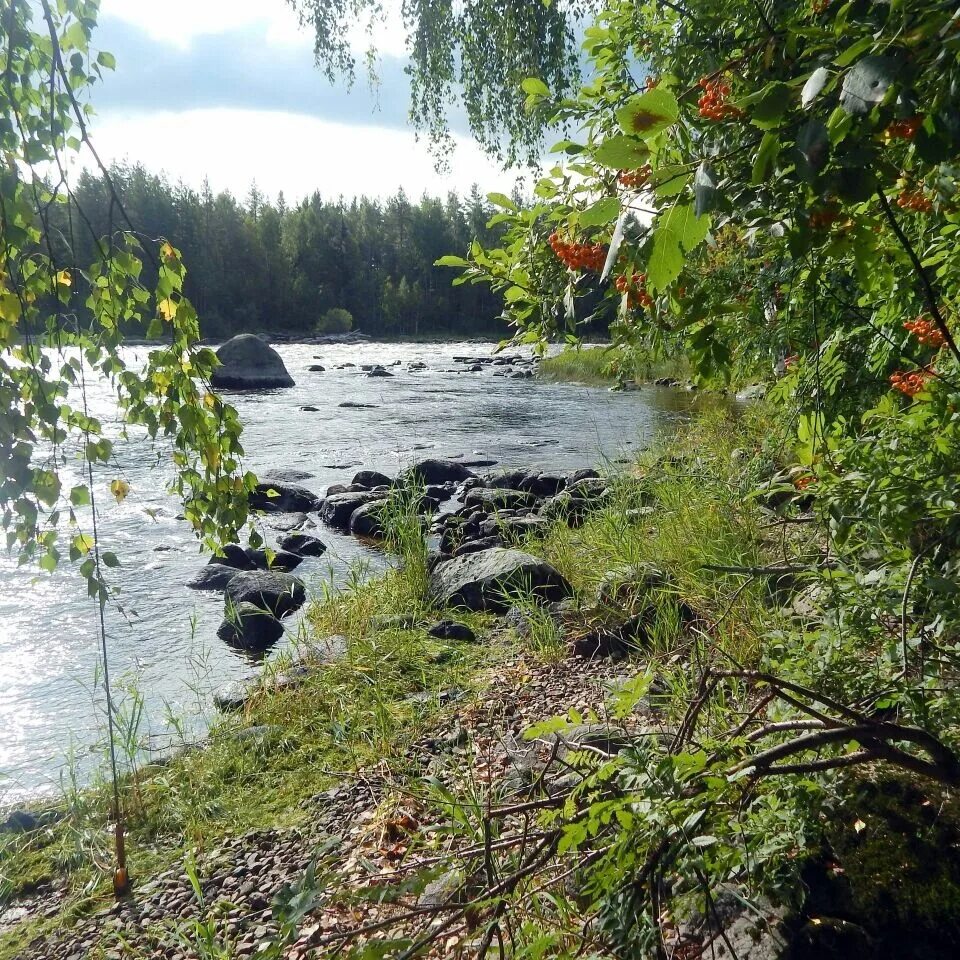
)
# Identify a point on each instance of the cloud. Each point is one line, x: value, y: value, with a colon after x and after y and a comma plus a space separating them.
x: 239, y: 68
x: 288, y: 152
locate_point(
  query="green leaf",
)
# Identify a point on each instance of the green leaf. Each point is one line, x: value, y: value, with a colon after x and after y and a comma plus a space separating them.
x: 501, y: 200
x: 815, y: 83
x: 110, y: 559
x: 770, y: 105
x: 649, y: 114
x: 107, y: 60
x: 451, y: 261
x: 677, y: 231
x: 535, y: 87
x: 602, y: 212
x: 866, y: 84
x: 80, y: 496
x: 766, y: 158
x: 83, y: 543
x: 621, y: 153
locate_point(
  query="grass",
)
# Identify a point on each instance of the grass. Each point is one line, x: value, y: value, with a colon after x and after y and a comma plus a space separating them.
x: 600, y: 365
x: 356, y: 711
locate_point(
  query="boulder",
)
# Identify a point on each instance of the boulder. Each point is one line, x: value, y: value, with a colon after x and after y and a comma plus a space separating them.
x: 214, y: 576
x: 285, y: 476
x: 366, y: 520
x: 543, y: 484
x: 351, y: 405
x: 303, y: 544
x: 279, y: 593
x: 249, y: 627
x: 248, y: 363
x: 283, y: 498
x: 233, y: 555
x: 281, y: 560
x: 487, y: 580
x: 370, y: 479
x: 434, y: 472
x: 316, y: 368
x: 379, y: 372
x: 338, y: 509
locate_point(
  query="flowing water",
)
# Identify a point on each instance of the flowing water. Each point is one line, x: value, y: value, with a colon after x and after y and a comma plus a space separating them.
x: 165, y: 657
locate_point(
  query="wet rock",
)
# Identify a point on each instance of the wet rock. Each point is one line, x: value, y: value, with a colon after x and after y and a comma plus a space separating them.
x: 487, y: 580
x: 233, y: 555
x: 285, y: 522
x: 279, y: 593
x: 543, y: 484
x: 249, y: 363
x: 310, y: 409
x: 283, y: 498
x: 452, y: 630
x: 379, y: 372
x: 214, y: 576
x: 351, y: 405
x: 433, y: 472
x: 339, y: 508
x: 370, y: 479
x: 285, y: 476
x: 249, y: 627
x: 366, y: 521
x: 316, y: 368
x: 303, y: 544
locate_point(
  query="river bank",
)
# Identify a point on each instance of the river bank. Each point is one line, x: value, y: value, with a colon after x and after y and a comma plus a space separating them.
x: 417, y: 775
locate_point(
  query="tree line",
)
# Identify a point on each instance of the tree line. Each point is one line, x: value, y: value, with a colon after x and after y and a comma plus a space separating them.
x: 261, y: 265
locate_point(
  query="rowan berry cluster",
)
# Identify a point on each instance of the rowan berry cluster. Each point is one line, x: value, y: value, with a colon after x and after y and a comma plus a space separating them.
x: 915, y: 200
x: 820, y: 6
x: 791, y: 361
x: 926, y: 331
x: 651, y: 82
x: 713, y: 104
x: 804, y: 481
x: 579, y: 256
x: 904, y: 129
x: 635, y: 179
x: 910, y: 383
x: 635, y: 289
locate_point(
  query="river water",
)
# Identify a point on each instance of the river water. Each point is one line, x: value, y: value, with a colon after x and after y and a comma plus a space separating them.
x: 164, y: 654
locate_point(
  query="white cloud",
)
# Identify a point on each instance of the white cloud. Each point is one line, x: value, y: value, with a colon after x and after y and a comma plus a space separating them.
x: 180, y: 22
x: 288, y: 152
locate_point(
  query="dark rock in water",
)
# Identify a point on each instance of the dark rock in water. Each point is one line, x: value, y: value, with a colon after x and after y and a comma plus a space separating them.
x: 285, y: 522
x: 366, y: 520
x: 370, y: 479
x: 338, y: 509
x: 336, y: 488
x: 487, y: 580
x: 350, y: 405
x: 248, y: 627
x: 249, y: 363
x: 316, y: 368
x: 451, y: 630
x: 479, y: 463
x: 233, y: 555
x: 281, y: 560
x: 279, y: 593
x: 543, y: 484
x: 417, y: 365
x: 214, y: 576
x: 379, y: 372
x: 431, y: 472
x: 283, y: 498
x: 309, y: 409
x: 440, y: 492
x: 303, y: 544
x: 502, y: 499
x: 285, y: 476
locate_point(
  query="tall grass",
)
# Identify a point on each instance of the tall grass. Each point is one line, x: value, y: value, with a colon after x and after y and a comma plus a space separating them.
x: 598, y: 365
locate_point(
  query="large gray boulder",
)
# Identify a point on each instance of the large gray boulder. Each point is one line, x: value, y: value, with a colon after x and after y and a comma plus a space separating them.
x: 494, y: 579
x: 279, y: 593
x: 248, y: 363
x: 283, y: 498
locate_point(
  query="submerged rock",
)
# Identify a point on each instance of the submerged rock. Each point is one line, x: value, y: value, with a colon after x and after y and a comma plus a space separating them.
x: 339, y: 508
x: 249, y: 627
x: 248, y: 363
x: 491, y: 579
x: 303, y: 544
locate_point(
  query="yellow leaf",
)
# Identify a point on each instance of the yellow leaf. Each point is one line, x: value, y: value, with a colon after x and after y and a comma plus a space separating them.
x: 120, y: 489
x: 64, y: 278
x: 859, y: 825
x: 9, y: 307
x: 209, y: 401
x: 167, y: 309
x: 167, y: 252
x: 83, y: 542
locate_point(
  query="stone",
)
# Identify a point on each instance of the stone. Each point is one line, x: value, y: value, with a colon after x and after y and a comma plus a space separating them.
x: 351, y: 405
x: 283, y: 498
x: 543, y: 484
x: 756, y: 391
x: 434, y: 472
x: 248, y: 627
x: 624, y: 586
x: 310, y: 409
x: 286, y: 522
x: 486, y: 580
x: 366, y: 520
x: 285, y: 476
x: 499, y: 499
x: 339, y: 508
x: 303, y: 544
x: 316, y: 368
x: 214, y: 576
x: 452, y: 630
x: 249, y: 363
x: 279, y: 593
x: 379, y: 372
x: 370, y: 479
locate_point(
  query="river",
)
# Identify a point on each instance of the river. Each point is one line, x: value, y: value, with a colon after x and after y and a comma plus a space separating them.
x: 164, y: 654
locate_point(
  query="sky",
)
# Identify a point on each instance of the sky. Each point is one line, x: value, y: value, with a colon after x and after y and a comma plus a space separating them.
x: 228, y: 89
